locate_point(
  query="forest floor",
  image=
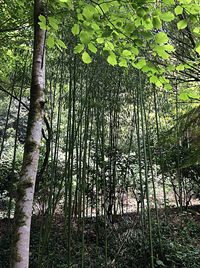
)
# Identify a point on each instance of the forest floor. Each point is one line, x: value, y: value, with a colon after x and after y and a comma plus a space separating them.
x: 127, y: 245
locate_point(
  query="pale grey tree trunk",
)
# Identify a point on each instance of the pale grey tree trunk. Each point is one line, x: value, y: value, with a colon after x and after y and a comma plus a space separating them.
x: 25, y: 191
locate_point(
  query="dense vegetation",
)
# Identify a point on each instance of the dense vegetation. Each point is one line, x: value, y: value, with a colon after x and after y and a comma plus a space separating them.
x: 100, y: 124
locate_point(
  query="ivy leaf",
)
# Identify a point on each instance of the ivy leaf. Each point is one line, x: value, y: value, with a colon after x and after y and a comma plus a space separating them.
x: 75, y: 29
x: 86, y: 58
x: 92, y: 48
x: 78, y: 48
x: 178, y: 10
x: 112, y: 60
x: 161, y: 38
x: 182, y: 24
x: 50, y: 41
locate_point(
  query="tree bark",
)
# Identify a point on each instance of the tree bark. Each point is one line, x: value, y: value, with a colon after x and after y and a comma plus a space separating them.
x: 26, y: 185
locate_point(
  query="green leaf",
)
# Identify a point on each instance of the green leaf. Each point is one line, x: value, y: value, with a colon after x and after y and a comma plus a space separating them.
x: 109, y: 46
x: 146, y: 69
x: 160, y: 50
x: 60, y: 43
x: 153, y: 79
x: 193, y: 9
x: 196, y: 30
x: 95, y: 26
x: 157, y: 22
x: 141, y: 12
x: 161, y: 38
x: 126, y: 53
x: 75, y: 29
x: 86, y: 58
x: 80, y: 17
x: 50, y: 41
x: 158, y: 84
x: 140, y: 64
x: 105, y: 7
x: 168, y: 48
x: 100, y: 40
x: 112, y: 60
x: 53, y: 23
x: 182, y: 24
x: 167, y: 87
x: 185, y: 1
x: 85, y: 37
x: 147, y: 23
x: 43, y: 26
x: 197, y: 48
x: 92, y: 48
x: 178, y: 10
x: 107, y: 31
x: 42, y: 19
x: 183, y: 96
x: 180, y: 67
x: 168, y: 2
x: 193, y: 95
x: 43, y: 22
x: 88, y: 12
x: 135, y: 50
x: 167, y: 16
x: 68, y: 2
x: 123, y: 63
x: 78, y: 48
x: 129, y: 27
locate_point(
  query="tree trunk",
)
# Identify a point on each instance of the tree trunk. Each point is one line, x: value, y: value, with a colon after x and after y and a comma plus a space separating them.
x: 25, y: 192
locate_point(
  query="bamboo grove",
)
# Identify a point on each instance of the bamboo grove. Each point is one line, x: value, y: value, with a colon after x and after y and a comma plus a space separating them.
x: 113, y: 145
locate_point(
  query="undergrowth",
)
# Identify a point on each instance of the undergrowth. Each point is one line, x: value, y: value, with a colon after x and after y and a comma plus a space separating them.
x: 128, y: 245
